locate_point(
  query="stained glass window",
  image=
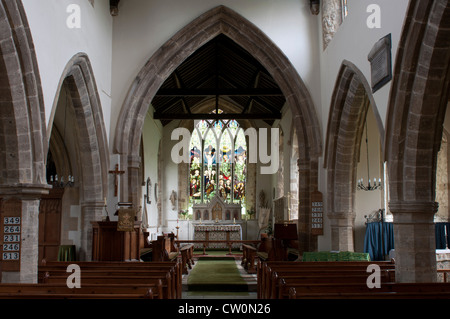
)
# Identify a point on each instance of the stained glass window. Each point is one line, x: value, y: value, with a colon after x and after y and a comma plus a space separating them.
x: 240, y: 166
x: 218, y: 163
x: 195, y: 167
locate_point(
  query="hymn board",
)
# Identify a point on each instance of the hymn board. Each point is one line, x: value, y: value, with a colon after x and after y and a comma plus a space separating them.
x: 10, y: 235
x: 316, y: 213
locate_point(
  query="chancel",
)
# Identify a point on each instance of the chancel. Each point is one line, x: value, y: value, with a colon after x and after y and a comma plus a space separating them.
x: 279, y: 110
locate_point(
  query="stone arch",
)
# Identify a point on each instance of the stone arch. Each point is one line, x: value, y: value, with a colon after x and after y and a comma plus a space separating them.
x: 23, y: 144
x: 417, y: 105
x: 349, y: 105
x: 92, y: 158
x: 220, y: 20
x: 23, y: 141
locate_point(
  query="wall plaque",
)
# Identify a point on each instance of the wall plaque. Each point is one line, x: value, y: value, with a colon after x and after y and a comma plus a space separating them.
x: 317, y: 213
x: 380, y: 59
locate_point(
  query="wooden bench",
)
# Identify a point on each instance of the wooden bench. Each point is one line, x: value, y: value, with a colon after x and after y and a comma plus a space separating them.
x: 118, y: 272
x: 361, y: 291
x: 134, y: 291
x: 163, y: 248
x: 263, y: 251
x: 358, y: 288
x: 270, y: 273
x: 187, y: 257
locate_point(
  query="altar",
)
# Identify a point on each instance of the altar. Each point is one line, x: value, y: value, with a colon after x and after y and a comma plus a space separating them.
x: 217, y: 232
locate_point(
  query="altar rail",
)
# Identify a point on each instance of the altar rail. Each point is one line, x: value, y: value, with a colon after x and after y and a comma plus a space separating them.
x: 207, y: 242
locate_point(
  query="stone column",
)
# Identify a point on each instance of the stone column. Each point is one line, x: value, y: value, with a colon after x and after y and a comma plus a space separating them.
x: 24, y: 201
x: 342, y: 225
x: 415, y: 245
x: 134, y: 173
x: 90, y: 211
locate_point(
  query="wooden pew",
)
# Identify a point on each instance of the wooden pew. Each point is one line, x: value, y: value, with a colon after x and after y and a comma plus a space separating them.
x: 329, y: 289
x: 187, y: 257
x: 270, y: 273
x: 122, y: 276
x: 163, y: 248
x: 86, y: 291
x: 112, y: 272
x: 264, y: 251
x: 387, y: 291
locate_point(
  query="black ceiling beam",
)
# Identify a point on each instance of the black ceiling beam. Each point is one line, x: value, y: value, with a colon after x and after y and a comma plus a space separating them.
x: 222, y: 116
x: 224, y: 91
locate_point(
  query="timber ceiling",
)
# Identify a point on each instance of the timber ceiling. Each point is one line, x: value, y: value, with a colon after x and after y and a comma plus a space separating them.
x: 220, y: 72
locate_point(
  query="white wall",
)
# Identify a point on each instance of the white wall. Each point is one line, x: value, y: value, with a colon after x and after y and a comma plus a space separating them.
x: 56, y: 44
x: 143, y: 26
x: 152, y: 134
x: 353, y: 42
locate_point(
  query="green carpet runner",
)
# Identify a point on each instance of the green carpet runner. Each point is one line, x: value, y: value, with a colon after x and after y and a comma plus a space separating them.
x: 216, y: 274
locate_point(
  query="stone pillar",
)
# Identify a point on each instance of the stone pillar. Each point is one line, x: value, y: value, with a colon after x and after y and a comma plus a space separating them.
x: 90, y: 211
x: 134, y: 173
x: 415, y: 245
x: 24, y: 201
x: 342, y: 225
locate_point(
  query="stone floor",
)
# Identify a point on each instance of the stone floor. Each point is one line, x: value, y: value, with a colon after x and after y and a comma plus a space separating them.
x: 250, y: 278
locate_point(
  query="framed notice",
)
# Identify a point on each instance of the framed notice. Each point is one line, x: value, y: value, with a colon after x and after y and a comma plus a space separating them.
x: 317, y: 213
x: 10, y: 235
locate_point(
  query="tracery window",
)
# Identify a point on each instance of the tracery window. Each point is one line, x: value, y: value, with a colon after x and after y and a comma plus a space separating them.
x: 218, y: 162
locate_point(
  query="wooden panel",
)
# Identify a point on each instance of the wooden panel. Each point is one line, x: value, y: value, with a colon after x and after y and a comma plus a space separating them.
x: 50, y: 210
x: 109, y: 244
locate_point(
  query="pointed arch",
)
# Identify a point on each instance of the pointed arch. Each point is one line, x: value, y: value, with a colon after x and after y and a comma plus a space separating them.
x: 91, y: 143
x: 23, y: 142
x: 349, y: 104
x: 220, y: 20
x: 418, y: 101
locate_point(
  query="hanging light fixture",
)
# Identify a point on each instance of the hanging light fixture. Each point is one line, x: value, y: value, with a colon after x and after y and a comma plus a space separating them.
x: 375, y: 185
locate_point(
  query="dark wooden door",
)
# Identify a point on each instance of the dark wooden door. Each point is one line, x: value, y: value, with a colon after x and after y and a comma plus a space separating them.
x: 50, y: 210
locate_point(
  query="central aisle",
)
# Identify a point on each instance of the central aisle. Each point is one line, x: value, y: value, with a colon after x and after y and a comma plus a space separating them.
x: 218, y: 277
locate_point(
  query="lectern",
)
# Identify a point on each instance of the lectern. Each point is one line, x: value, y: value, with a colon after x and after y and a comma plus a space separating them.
x: 109, y: 244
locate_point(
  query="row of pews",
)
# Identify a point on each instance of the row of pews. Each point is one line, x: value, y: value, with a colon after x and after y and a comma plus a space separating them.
x: 338, y: 280
x: 102, y: 280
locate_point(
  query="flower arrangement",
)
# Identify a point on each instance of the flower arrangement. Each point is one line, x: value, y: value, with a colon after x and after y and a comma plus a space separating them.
x: 184, y: 213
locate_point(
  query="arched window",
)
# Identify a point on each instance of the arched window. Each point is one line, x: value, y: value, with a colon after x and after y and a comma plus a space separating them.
x: 218, y: 162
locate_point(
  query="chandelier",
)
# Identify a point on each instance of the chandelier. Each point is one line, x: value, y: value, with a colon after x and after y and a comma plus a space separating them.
x: 368, y: 187
x: 62, y: 183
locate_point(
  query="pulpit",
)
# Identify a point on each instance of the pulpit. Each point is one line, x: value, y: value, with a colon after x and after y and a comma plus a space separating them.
x: 110, y: 244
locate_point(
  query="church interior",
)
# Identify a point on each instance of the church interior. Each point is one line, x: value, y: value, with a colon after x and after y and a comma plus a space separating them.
x: 277, y: 147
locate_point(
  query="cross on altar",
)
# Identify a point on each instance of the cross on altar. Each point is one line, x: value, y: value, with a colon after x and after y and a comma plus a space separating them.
x: 116, y: 173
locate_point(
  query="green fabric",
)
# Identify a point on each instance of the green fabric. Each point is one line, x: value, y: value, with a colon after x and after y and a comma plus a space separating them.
x: 216, y: 275
x: 67, y: 253
x: 335, y: 256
